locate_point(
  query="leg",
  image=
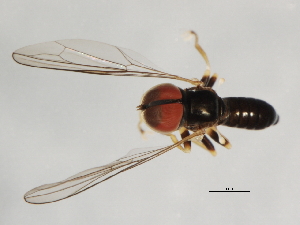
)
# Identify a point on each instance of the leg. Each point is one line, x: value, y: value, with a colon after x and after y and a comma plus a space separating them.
x: 205, y: 143
x: 187, y: 144
x: 207, y: 80
x: 212, y: 80
x: 218, y: 137
x: 206, y: 76
x: 202, y: 52
x: 175, y: 140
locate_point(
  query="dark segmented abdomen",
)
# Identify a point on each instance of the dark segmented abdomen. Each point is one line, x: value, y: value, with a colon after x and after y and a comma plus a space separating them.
x: 249, y: 113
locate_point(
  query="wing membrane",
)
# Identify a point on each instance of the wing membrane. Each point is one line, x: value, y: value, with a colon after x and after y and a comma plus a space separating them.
x: 86, y: 179
x: 89, y: 57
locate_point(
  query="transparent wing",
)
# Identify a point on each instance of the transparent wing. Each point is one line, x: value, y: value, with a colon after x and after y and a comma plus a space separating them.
x: 86, y: 179
x: 89, y: 57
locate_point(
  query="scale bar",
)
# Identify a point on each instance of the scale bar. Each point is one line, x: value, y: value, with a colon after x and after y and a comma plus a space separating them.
x: 229, y: 191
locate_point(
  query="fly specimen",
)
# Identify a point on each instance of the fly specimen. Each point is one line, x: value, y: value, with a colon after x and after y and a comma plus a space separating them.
x: 195, y: 112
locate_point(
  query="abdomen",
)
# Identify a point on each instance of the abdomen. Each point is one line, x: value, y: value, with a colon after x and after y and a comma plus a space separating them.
x: 249, y: 113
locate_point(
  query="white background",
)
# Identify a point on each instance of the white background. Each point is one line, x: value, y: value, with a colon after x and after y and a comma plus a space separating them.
x: 55, y: 123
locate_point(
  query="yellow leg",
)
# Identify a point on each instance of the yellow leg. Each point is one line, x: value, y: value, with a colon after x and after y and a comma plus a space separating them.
x: 201, y: 51
x: 175, y: 140
x: 206, y: 74
x: 207, y: 79
x: 186, y: 148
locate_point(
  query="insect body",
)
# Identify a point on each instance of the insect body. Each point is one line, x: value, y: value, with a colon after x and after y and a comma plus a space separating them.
x: 165, y: 108
x: 249, y: 113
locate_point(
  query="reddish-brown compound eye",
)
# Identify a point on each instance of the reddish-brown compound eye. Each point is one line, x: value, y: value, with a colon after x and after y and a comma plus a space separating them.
x: 163, y: 117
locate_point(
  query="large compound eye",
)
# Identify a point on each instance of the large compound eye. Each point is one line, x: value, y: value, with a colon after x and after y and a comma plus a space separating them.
x: 163, y: 118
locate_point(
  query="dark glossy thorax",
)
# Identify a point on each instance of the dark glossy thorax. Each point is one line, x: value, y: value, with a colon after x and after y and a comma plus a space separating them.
x: 201, y: 107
